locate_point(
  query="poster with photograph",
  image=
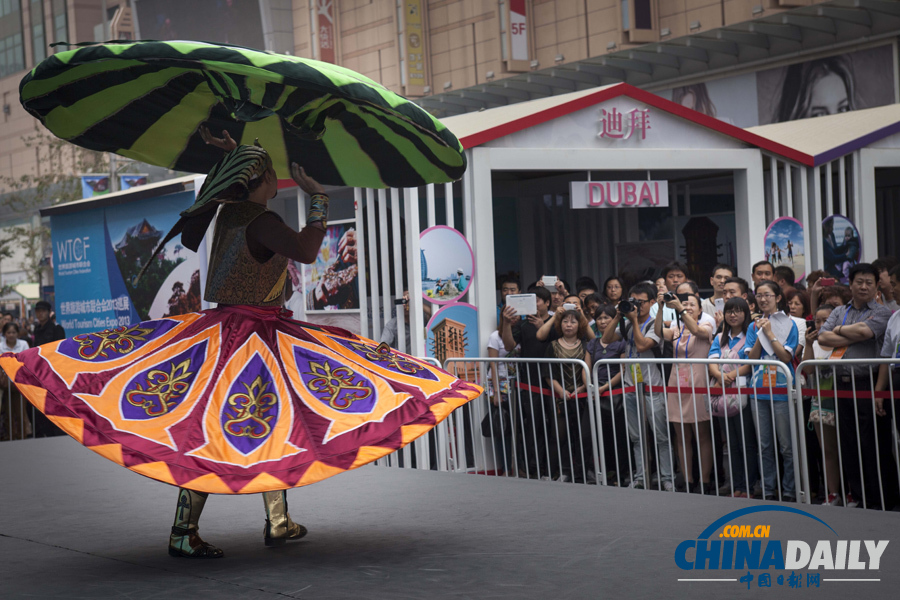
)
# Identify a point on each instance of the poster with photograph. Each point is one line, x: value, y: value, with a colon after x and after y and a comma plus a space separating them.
x: 172, y: 283
x: 453, y: 333
x: 841, y: 245
x: 94, y: 185
x: 97, y: 253
x: 447, y: 264
x: 732, y: 99
x: 813, y: 88
x: 784, y: 246
x: 331, y: 282
x: 826, y: 86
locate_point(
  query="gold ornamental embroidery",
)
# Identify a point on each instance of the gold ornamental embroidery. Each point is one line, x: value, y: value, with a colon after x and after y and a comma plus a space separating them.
x: 337, y: 384
x: 119, y: 340
x: 163, y: 389
x: 250, y: 409
x: 278, y: 289
x: 384, y: 354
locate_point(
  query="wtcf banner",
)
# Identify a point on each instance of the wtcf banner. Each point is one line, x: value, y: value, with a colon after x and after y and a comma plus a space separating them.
x: 97, y: 253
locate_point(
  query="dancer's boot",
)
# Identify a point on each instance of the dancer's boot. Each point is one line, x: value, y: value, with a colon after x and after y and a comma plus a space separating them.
x: 185, y: 540
x: 279, y: 526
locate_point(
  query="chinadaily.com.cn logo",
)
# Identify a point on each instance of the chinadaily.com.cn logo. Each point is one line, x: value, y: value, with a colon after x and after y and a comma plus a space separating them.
x: 735, y: 542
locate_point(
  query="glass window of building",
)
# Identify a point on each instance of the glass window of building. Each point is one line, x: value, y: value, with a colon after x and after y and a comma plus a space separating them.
x: 38, y: 39
x: 12, y: 53
x: 60, y: 23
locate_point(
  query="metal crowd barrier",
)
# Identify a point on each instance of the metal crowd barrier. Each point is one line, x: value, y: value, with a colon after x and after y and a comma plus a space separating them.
x: 857, y: 446
x: 543, y: 435
x: 535, y: 432
x: 653, y: 422
x: 17, y: 415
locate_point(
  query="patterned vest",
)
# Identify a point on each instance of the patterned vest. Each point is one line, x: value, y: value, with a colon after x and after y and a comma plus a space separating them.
x: 235, y: 277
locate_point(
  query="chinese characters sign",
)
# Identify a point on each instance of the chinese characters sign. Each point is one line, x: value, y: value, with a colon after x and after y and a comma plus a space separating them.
x: 619, y: 194
x: 325, y: 29
x: 415, y: 44
x: 618, y: 125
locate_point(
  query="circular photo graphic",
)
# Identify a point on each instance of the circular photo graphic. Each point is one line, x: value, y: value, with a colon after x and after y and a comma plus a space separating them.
x: 784, y: 246
x: 453, y: 333
x: 447, y: 264
x: 841, y: 245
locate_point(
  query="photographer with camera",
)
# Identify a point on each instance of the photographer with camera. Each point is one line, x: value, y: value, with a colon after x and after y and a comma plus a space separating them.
x: 692, y: 337
x: 633, y: 324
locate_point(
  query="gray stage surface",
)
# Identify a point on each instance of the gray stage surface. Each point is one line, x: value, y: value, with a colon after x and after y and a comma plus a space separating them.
x: 74, y: 525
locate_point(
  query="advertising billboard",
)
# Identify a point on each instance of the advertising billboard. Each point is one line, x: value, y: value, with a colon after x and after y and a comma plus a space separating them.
x: 97, y: 253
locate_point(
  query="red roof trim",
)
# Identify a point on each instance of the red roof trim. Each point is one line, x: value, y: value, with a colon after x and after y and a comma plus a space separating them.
x: 624, y: 89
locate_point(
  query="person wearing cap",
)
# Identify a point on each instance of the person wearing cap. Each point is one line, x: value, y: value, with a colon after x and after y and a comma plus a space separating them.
x: 46, y: 330
x: 460, y: 281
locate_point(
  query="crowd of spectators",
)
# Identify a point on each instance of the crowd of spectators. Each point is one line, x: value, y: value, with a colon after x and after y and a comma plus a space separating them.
x: 18, y: 419
x: 708, y: 428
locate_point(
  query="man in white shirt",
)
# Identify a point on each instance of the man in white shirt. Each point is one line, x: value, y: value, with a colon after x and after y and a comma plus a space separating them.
x: 720, y: 275
x: 641, y: 340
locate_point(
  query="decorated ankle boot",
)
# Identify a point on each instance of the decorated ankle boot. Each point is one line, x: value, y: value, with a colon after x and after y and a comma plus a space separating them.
x: 279, y: 526
x: 185, y: 540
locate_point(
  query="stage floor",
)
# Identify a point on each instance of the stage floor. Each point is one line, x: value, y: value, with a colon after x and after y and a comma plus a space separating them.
x: 74, y: 525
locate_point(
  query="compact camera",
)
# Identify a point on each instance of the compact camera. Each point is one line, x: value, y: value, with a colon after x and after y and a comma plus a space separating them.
x: 669, y: 297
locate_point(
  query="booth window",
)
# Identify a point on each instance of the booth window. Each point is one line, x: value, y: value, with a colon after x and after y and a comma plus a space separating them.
x: 12, y: 52
x: 60, y: 23
x: 38, y: 38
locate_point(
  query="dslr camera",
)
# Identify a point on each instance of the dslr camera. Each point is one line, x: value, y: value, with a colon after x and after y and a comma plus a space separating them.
x: 669, y: 297
x: 626, y: 306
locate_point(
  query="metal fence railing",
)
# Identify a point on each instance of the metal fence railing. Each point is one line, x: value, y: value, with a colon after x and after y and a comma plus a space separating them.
x: 849, y: 409
x: 18, y: 417
x: 524, y: 425
x: 757, y: 437
x: 700, y: 437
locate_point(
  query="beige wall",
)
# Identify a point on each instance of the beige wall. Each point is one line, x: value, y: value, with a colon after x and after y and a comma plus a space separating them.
x: 463, y: 41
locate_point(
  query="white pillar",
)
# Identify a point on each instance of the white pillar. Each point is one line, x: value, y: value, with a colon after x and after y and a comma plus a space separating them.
x: 749, y: 214
x: 482, y: 210
x: 867, y: 215
x: 414, y: 270
x: 814, y: 229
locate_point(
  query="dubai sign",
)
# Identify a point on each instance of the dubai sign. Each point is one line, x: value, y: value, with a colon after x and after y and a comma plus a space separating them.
x: 619, y: 194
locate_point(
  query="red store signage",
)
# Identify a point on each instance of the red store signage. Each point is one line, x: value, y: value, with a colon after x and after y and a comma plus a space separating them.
x: 619, y: 194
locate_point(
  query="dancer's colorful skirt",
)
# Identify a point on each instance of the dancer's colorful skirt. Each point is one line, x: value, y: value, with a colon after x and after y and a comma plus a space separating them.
x: 235, y: 400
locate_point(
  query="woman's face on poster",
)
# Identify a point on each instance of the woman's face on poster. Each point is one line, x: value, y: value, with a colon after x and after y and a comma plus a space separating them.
x: 688, y: 100
x: 828, y: 97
